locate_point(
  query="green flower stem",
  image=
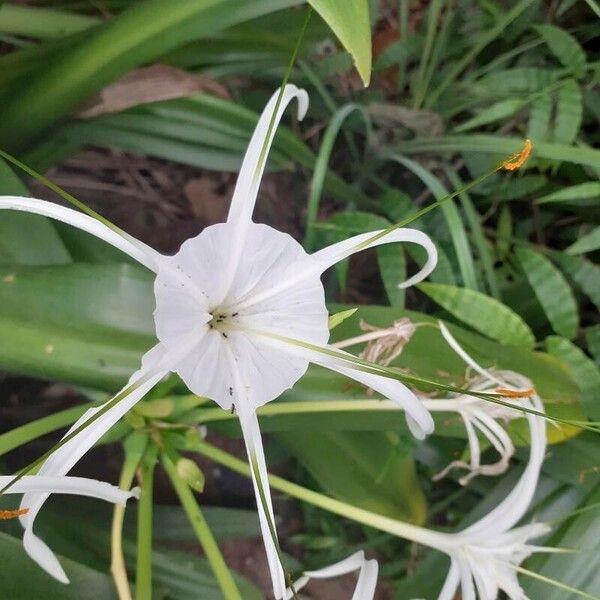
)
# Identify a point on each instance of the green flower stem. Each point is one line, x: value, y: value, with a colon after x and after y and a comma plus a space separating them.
x: 407, y: 531
x: 134, y: 447
x: 30, y: 431
x: 143, y: 580
x: 202, y: 531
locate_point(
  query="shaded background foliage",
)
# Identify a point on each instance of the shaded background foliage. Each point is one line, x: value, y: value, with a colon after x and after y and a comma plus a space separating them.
x: 143, y: 109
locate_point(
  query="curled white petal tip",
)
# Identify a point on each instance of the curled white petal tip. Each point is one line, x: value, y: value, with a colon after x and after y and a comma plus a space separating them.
x: 367, y: 577
x: 135, y: 492
x: 303, y: 103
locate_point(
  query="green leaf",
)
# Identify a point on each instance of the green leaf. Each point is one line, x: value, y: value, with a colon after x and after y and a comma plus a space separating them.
x: 501, y: 147
x: 340, y: 317
x: 42, y: 244
x: 583, y: 370
x: 592, y: 339
x: 497, y: 112
x: 484, y: 314
x: 564, y: 47
x: 369, y: 470
x: 392, y: 267
x: 72, y: 321
x: 580, y: 569
x: 581, y: 191
x: 583, y: 272
x: 552, y: 291
x: 350, y: 23
x: 23, y: 579
x: 453, y: 219
x: 569, y: 112
x: 586, y: 243
x: 539, y: 118
x: 138, y: 35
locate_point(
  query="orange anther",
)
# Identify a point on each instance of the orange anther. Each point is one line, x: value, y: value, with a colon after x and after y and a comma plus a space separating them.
x: 512, y: 163
x: 5, y: 515
x: 515, y: 393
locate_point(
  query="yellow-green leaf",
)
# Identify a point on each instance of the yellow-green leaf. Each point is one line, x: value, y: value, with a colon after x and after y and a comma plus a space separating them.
x: 350, y: 23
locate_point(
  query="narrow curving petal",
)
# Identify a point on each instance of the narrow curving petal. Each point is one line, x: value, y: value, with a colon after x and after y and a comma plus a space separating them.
x: 418, y: 418
x: 367, y: 576
x: 451, y: 341
x: 249, y: 178
x: 320, y: 261
x: 64, y: 458
x: 255, y: 159
x: 448, y: 591
x: 139, y: 251
x: 77, y: 486
x: 256, y: 457
x: 329, y: 256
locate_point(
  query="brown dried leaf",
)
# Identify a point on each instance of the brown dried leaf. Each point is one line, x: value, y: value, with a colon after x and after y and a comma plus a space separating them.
x: 149, y: 84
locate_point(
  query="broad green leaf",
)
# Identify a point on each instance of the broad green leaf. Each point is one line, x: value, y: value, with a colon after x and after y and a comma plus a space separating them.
x: 564, y: 47
x: 350, y: 23
x: 586, y: 243
x: 369, y: 470
x: 569, y: 112
x: 138, y: 35
x: 583, y: 272
x: 482, y: 313
x: 581, y: 191
x: 83, y: 323
x: 539, y: 118
x: 23, y: 579
x: 552, y: 291
x: 26, y: 239
x: 585, y: 373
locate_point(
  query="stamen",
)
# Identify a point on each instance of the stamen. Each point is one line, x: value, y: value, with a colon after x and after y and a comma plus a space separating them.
x: 512, y: 163
x: 6, y: 515
x: 515, y: 393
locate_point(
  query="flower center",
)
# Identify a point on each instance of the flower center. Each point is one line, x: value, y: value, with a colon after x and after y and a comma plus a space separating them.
x: 223, y: 320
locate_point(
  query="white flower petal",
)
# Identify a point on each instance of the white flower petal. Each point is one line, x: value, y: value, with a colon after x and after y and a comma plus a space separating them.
x: 367, y: 577
x: 78, y: 486
x: 327, y: 257
x: 127, y: 244
x: 249, y: 178
x: 63, y: 460
x: 256, y: 456
x: 418, y: 418
x: 448, y: 591
x: 251, y: 171
x: 466, y: 357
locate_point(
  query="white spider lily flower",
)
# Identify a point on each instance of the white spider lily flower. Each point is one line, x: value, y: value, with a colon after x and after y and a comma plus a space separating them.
x: 484, y: 555
x: 482, y: 416
x: 36, y: 485
x: 225, y: 305
x: 367, y: 575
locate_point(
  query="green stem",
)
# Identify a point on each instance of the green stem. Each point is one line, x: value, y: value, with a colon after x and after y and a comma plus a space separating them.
x: 202, y: 531
x: 134, y: 447
x: 398, y: 528
x: 143, y: 579
x: 30, y: 431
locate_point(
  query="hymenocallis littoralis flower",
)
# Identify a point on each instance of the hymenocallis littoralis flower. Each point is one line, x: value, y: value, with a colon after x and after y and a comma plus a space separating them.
x: 229, y: 307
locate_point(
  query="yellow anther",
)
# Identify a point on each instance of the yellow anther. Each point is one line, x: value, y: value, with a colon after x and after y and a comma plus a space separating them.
x: 512, y: 163
x: 5, y: 515
x: 515, y: 393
